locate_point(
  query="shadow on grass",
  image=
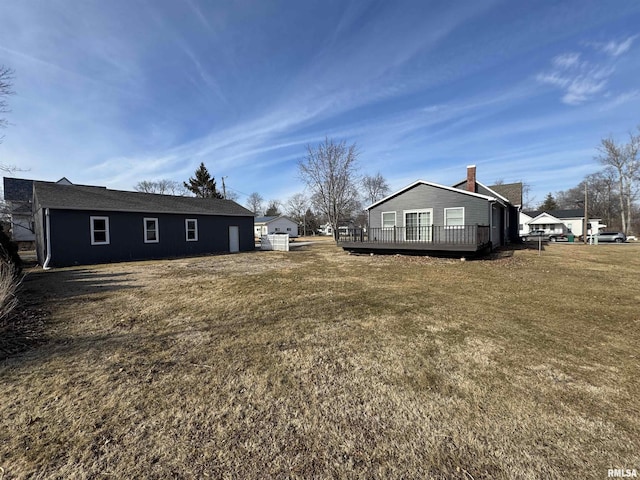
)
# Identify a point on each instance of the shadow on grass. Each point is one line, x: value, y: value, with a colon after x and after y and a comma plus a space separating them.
x: 25, y: 327
x: 65, y: 284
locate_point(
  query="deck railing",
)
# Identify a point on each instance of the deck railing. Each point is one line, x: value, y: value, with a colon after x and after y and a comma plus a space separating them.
x: 477, y: 235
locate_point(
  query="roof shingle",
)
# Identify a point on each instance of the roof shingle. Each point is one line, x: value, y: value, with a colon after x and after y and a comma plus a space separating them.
x: 76, y: 197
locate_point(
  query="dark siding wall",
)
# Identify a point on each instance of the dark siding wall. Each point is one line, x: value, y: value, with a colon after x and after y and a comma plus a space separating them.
x: 514, y: 232
x: 71, y: 237
x: 476, y: 210
x: 497, y: 226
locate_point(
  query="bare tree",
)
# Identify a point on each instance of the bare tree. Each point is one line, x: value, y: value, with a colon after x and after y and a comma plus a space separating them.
x: 624, y: 161
x: 231, y: 194
x: 375, y: 188
x: 527, y: 199
x: 255, y: 203
x: 6, y: 84
x: 603, y: 197
x: 165, y: 187
x: 296, y: 207
x: 330, y: 172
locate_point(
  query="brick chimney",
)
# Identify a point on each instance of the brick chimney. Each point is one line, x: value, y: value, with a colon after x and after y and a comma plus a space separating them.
x: 471, y: 178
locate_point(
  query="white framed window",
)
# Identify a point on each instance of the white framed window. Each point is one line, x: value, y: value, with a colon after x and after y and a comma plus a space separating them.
x: 417, y: 224
x: 99, y: 230
x: 388, y: 220
x: 151, y: 230
x: 454, y: 217
x: 191, y: 228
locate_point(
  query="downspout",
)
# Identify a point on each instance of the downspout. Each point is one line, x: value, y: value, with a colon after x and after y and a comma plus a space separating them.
x: 491, y: 224
x: 47, y: 230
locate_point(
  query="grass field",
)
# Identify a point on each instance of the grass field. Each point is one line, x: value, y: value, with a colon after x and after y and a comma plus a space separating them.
x: 319, y: 364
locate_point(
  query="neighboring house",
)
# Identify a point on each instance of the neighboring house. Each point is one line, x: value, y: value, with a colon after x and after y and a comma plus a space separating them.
x: 557, y: 221
x: 79, y: 225
x: 466, y: 217
x: 325, y: 229
x: 276, y: 224
x: 18, y: 197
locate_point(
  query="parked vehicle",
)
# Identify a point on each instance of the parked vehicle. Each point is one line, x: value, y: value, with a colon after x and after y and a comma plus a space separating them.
x: 617, y: 237
x: 541, y: 234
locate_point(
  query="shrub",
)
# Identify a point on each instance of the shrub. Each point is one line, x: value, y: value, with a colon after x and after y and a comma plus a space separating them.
x: 8, y: 286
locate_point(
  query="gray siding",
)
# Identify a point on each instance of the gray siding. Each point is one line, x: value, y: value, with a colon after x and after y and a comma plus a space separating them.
x: 476, y: 210
x: 71, y: 236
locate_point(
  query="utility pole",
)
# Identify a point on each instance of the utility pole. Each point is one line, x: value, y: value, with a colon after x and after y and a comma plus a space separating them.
x: 224, y: 188
x: 586, y: 214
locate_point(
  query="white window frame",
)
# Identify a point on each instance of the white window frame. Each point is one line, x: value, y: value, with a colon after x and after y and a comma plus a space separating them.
x: 446, y: 226
x: 420, y: 210
x: 93, y: 230
x: 382, y: 214
x: 157, y: 229
x: 194, y: 229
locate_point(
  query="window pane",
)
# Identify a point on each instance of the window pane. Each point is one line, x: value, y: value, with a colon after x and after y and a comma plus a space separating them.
x: 151, y: 225
x: 99, y: 237
x: 151, y: 235
x: 454, y: 216
x: 388, y: 220
x: 99, y: 224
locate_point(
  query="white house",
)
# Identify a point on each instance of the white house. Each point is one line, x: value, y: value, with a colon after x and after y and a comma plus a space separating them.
x: 277, y: 224
x: 557, y: 221
x: 326, y: 229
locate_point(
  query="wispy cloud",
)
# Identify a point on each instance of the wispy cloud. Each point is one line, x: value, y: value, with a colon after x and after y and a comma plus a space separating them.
x: 581, y: 80
x: 622, y: 99
x: 613, y: 47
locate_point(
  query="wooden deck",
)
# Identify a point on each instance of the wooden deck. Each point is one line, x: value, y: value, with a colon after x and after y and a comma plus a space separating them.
x: 435, y: 238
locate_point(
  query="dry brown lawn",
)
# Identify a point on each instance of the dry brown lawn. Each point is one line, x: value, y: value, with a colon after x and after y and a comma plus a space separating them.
x: 319, y: 364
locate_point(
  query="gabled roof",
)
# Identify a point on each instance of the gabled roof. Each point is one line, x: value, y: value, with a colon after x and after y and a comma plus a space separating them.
x: 543, y: 219
x: 21, y: 189
x: 507, y: 192
x: 270, y: 219
x: 22, y: 209
x: 17, y: 189
x: 511, y: 191
x: 264, y: 219
x: 430, y: 184
x: 558, y: 213
x: 77, y: 197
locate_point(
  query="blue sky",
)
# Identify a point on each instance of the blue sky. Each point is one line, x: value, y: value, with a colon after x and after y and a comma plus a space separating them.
x: 111, y: 93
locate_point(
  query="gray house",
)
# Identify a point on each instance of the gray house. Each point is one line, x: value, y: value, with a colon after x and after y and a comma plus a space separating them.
x: 79, y: 225
x: 18, y: 197
x: 425, y: 216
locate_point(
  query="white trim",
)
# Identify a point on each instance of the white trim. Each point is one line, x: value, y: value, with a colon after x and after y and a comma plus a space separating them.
x: 494, y: 192
x: 430, y: 184
x: 418, y: 210
x: 445, y: 217
x: 186, y: 229
x: 93, y: 230
x: 145, y: 231
x: 395, y: 218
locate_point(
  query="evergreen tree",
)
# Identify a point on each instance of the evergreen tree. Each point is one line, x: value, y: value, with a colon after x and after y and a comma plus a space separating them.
x: 273, y: 209
x: 549, y: 203
x: 203, y: 184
